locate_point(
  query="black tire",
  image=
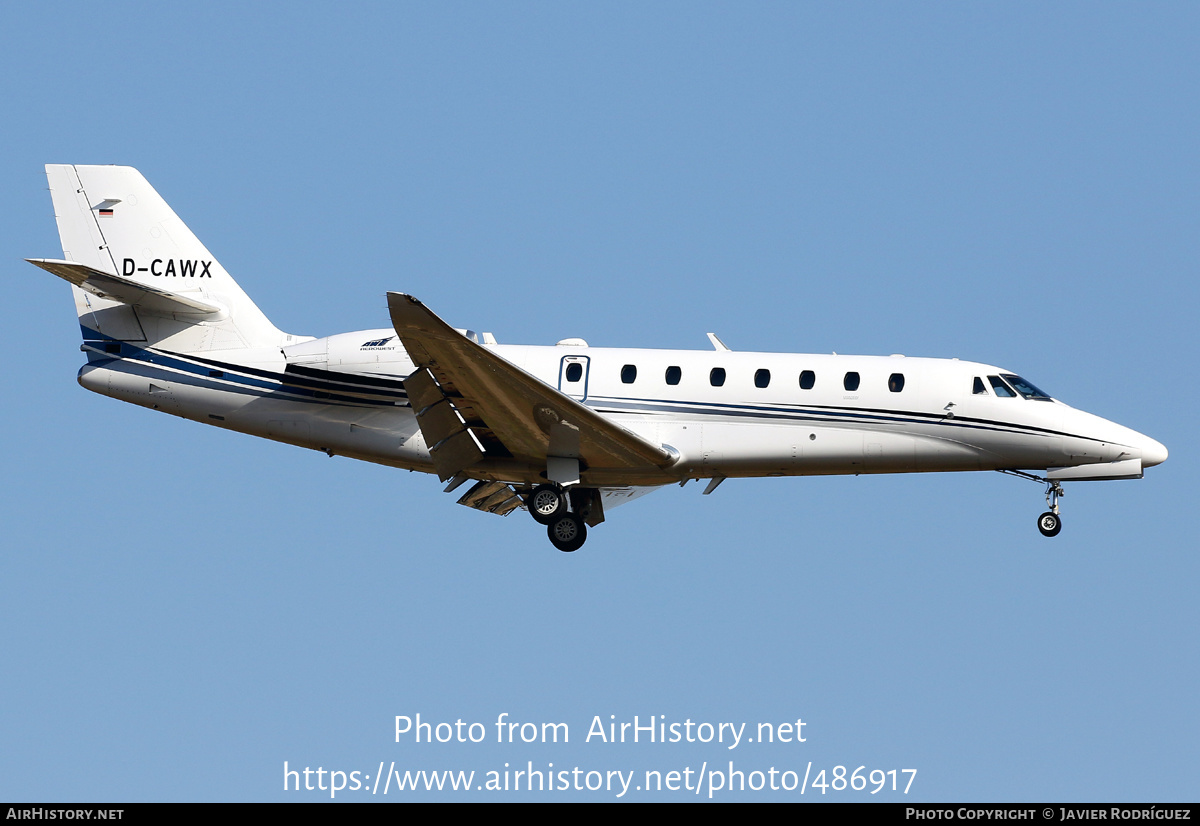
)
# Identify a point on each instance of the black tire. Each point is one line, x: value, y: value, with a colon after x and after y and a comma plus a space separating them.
x: 567, y: 533
x: 1049, y: 524
x: 545, y: 504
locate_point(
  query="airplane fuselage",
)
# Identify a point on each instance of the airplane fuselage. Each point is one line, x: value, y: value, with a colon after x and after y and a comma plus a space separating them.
x: 725, y: 413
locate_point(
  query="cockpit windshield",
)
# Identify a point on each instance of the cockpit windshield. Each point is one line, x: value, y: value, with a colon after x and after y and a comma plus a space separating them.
x: 1026, y: 389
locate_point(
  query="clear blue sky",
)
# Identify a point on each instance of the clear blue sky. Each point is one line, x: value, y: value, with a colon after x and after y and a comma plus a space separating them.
x: 1018, y: 183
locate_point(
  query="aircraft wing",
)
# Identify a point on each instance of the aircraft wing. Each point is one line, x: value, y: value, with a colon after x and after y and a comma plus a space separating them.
x: 125, y: 290
x: 471, y: 403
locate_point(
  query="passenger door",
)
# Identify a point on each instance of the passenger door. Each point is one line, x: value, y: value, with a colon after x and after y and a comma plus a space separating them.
x: 573, y: 376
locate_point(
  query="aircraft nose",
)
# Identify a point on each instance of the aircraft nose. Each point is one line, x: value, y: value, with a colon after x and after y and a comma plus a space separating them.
x: 1153, y: 453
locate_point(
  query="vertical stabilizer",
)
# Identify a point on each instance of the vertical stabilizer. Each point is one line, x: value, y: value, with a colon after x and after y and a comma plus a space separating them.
x: 112, y: 220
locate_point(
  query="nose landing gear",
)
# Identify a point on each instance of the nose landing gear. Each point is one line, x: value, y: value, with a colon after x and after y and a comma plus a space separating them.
x: 1049, y: 523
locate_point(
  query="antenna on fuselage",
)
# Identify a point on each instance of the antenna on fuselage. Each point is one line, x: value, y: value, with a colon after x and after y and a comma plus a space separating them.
x: 716, y: 342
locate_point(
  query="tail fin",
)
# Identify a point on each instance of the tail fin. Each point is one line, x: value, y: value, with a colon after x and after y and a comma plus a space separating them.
x: 139, y: 274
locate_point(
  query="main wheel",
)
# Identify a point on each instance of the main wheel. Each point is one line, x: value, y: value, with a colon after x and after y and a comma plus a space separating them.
x: 567, y: 533
x: 1049, y: 524
x: 546, y: 504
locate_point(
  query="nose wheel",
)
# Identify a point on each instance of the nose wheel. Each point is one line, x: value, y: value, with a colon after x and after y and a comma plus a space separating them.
x: 1049, y: 524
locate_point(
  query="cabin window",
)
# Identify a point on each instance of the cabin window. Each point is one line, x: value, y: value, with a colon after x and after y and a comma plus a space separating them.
x: 808, y: 380
x: 629, y: 373
x: 762, y: 378
x: 574, y: 371
x: 1002, y: 389
x: 674, y: 374
x: 978, y: 388
x: 717, y: 376
x: 851, y: 382
x: 1026, y: 389
x: 896, y: 382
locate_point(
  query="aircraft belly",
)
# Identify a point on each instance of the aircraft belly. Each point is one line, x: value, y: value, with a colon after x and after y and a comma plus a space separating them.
x: 763, y: 449
x: 740, y: 449
x: 831, y: 451
x: 889, y: 452
x: 728, y: 448
x: 385, y: 435
x: 139, y: 385
x: 935, y: 453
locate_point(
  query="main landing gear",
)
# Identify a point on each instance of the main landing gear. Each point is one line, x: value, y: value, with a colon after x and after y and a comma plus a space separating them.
x: 546, y: 503
x: 567, y: 533
x: 549, y: 505
x: 1049, y: 523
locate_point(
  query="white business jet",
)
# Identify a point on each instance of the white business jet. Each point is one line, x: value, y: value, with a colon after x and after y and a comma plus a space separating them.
x: 565, y: 432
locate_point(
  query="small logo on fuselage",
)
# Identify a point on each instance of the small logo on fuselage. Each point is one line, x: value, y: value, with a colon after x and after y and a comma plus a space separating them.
x: 170, y: 268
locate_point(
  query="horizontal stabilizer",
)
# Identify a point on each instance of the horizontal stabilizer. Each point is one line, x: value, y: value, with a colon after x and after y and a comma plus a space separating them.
x: 126, y: 290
